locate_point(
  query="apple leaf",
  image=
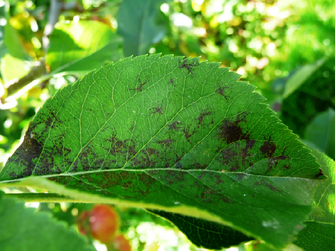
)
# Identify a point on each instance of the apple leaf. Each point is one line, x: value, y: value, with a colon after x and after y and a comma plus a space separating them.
x: 24, y: 229
x: 176, y: 135
x: 80, y: 47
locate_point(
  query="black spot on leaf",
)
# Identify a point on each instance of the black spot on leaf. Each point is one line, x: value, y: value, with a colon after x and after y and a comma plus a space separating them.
x: 264, y: 183
x: 221, y: 91
x: 171, y: 81
x: 202, y: 115
x: 268, y: 148
x: 231, y: 131
x: 188, y: 64
x: 29, y: 151
x: 187, y: 134
x: 166, y: 142
x: 139, y: 88
x: 158, y: 110
x: 174, y: 125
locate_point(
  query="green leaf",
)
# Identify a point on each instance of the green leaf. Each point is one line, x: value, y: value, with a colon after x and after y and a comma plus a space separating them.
x: 23, y: 229
x: 204, y: 233
x: 317, y: 236
x: 172, y: 134
x: 13, y: 42
x: 311, y: 98
x: 13, y: 68
x: 300, y: 76
x: 320, y: 229
x: 324, y: 199
x: 138, y: 25
x: 79, y: 47
x: 321, y: 132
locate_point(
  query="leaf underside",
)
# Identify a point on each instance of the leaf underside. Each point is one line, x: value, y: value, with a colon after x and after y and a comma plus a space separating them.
x: 174, y: 132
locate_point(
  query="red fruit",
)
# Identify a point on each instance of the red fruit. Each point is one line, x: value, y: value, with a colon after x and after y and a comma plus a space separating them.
x: 121, y: 243
x: 102, y: 222
x: 83, y: 223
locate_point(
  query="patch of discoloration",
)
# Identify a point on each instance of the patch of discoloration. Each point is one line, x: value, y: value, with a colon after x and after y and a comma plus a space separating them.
x: 268, y: 148
x: 187, y: 134
x: 166, y: 142
x: 29, y: 151
x: 197, y: 165
x: 202, y: 115
x: 221, y: 91
x: 139, y: 88
x: 320, y: 174
x: 174, y: 125
x: 157, y: 110
x: 188, y: 64
x: 273, y: 162
x: 171, y: 81
x: 231, y: 131
x: 264, y: 183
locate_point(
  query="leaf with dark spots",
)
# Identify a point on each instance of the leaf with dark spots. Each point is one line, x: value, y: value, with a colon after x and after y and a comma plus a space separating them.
x: 203, y: 233
x: 230, y: 131
x: 188, y: 134
x: 174, y: 125
x: 171, y: 81
x: 189, y: 64
x: 264, y: 183
x: 139, y: 88
x: 202, y: 116
x: 213, y: 152
x: 268, y: 148
x: 221, y: 91
x: 166, y: 142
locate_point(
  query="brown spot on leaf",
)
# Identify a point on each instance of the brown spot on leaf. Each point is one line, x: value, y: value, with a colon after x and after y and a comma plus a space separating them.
x: 221, y: 91
x: 28, y: 151
x: 171, y: 81
x: 264, y: 183
x: 202, y: 115
x: 273, y: 162
x: 139, y: 88
x: 166, y: 142
x: 231, y: 131
x: 320, y: 174
x: 268, y: 148
x: 187, y: 134
x: 199, y: 166
x: 174, y: 125
x: 187, y: 64
x: 158, y: 110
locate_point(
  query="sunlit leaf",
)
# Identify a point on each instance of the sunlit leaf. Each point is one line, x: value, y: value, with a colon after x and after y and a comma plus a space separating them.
x: 79, y: 47
x: 172, y: 134
x: 138, y: 25
x: 23, y: 229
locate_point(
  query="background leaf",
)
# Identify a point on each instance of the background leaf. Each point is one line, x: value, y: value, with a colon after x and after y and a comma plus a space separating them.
x: 204, y: 233
x: 319, y: 232
x: 138, y: 25
x: 321, y: 132
x: 300, y: 76
x: 79, y: 47
x: 317, y: 236
x: 172, y: 134
x: 23, y: 229
x: 311, y: 98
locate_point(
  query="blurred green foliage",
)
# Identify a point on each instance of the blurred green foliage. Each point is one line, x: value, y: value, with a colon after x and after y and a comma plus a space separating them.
x: 266, y: 41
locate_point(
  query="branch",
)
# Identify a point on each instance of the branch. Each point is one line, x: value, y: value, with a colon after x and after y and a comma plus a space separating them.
x: 35, y: 72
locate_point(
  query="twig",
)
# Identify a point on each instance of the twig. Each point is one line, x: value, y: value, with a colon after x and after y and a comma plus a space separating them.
x: 35, y: 72
x: 54, y: 12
